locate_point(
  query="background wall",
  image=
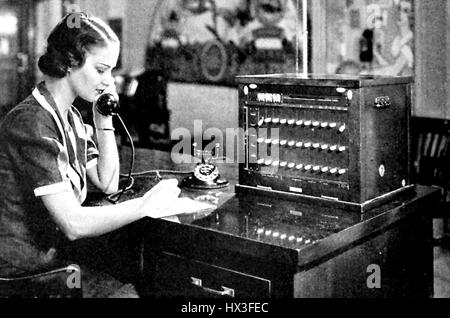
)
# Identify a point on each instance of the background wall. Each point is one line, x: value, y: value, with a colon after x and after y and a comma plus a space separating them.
x: 138, y: 15
x: 214, y: 106
x: 448, y: 59
x: 48, y: 14
x: 432, y: 91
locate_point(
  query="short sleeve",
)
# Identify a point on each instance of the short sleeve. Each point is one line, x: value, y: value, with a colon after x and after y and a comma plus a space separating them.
x: 35, y: 146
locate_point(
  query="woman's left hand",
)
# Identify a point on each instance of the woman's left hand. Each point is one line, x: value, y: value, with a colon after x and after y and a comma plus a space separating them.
x: 100, y: 120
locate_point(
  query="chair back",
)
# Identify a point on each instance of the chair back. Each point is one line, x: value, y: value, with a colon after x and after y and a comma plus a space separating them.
x: 430, y: 149
x: 63, y: 282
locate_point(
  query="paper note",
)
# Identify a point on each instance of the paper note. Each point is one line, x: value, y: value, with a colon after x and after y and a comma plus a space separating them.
x: 184, y: 206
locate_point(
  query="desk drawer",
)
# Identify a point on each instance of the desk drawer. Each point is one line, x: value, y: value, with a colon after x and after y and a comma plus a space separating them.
x: 178, y: 276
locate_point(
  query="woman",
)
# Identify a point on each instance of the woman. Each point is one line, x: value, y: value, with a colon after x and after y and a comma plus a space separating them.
x: 47, y: 153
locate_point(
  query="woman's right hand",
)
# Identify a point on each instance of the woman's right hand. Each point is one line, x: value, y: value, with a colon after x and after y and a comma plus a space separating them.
x: 159, y: 198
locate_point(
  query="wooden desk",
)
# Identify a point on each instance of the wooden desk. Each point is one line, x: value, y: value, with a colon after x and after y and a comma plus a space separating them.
x: 261, y: 247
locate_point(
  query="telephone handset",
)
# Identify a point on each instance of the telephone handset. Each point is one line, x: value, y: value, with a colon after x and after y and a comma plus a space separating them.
x: 107, y: 104
x: 205, y: 175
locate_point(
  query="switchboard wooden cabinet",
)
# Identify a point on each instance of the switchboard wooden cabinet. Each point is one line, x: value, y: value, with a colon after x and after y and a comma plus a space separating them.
x: 343, y: 139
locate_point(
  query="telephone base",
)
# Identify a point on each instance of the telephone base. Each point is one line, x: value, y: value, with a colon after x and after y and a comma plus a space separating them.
x: 194, y: 183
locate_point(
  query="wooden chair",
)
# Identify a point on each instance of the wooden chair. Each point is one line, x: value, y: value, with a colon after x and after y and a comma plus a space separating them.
x: 431, y: 160
x: 56, y: 283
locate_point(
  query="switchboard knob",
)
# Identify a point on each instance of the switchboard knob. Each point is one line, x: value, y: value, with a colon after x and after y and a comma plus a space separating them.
x: 276, y: 120
x: 342, y: 148
x: 342, y: 128
x: 333, y: 170
x: 324, y: 147
x: 283, y: 164
x: 291, y: 238
x: 324, y: 125
x: 291, y: 122
x: 299, y: 144
x: 299, y: 122
x: 276, y: 234
x: 333, y: 125
x: 307, y: 241
x: 283, y: 142
x: 268, y: 232
x: 283, y: 236
x: 291, y: 165
x: 299, y: 239
x: 261, y: 140
x: 268, y: 120
x: 261, y: 161
x: 325, y: 169
x: 350, y: 95
x: 316, y: 146
x: 307, y: 144
x: 333, y: 148
x: 342, y: 171
x: 268, y: 162
x: 308, y: 167
x: 291, y: 143
x: 261, y: 122
x: 268, y: 141
x: 261, y: 97
x: 260, y: 231
x: 316, y: 168
x: 307, y: 123
x: 276, y: 163
x: 299, y: 167
x: 275, y: 141
x: 283, y: 121
x: 316, y: 124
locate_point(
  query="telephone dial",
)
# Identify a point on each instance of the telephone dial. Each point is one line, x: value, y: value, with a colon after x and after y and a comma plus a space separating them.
x: 205, y: 175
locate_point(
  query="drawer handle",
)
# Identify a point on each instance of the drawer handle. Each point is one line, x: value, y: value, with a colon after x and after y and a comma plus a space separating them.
x: 224, y: 292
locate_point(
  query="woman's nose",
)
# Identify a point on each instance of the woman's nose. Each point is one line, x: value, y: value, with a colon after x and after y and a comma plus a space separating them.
x: 108, y: 80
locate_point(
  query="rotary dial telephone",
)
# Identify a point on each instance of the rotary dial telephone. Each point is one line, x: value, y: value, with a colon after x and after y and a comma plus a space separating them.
x: 205, y: 175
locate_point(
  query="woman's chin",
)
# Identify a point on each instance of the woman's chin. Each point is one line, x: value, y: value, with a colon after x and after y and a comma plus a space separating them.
x: 90, y: 99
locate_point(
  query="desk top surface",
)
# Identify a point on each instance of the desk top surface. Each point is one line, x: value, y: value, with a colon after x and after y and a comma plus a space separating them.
x: 292, y: 227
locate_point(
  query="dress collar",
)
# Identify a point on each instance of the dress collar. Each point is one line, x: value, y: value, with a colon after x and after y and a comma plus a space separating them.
x: 47, y: 95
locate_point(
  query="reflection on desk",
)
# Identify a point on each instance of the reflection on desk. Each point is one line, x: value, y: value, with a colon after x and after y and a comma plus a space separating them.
x: 285, y: 223
x: 277, y: 222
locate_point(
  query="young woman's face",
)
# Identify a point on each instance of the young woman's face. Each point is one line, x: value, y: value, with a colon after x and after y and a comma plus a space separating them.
x: 94, y: 76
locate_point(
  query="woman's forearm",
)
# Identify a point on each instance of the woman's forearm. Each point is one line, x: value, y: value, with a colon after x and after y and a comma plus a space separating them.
x: 94, y: 221
x: 108, y: 166
x: 79, y: 222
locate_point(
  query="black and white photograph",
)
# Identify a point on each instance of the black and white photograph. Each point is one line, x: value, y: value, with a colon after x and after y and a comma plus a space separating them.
x: 231, y: 156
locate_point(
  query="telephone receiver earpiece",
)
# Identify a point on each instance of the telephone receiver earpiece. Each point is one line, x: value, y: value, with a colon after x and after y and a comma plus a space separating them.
x: 107, y: 104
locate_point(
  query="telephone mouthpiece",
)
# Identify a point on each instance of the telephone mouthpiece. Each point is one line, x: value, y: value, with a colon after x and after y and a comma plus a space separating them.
x: 107, y: 104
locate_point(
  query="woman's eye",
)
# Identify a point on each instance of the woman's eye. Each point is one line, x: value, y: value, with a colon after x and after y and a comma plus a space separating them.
x: 101, y: 71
